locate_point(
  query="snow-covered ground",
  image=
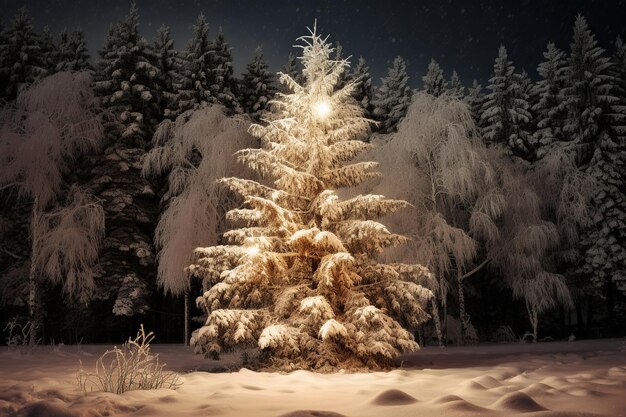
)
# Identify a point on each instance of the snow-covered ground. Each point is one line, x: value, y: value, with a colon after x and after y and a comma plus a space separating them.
x: 582, y: 378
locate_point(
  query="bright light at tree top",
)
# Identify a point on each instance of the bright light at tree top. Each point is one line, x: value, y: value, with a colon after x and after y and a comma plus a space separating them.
x: 253, y: 250
x: 321, y: 109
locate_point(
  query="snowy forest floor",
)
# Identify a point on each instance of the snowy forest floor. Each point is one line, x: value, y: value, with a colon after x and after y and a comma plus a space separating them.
x: 581, y: 378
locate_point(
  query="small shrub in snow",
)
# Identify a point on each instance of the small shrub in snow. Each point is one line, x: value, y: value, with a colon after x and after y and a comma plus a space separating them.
x: 18, y: 335
x: 504, y: 334
x: 131, y: 367
x: 455, y: 333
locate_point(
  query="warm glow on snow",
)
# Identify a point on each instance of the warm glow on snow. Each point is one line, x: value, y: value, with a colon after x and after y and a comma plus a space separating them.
x: 321, y: 109
x: 253, y: 250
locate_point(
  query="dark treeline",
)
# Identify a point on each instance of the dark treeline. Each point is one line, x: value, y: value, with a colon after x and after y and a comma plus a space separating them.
x: 576, y: 110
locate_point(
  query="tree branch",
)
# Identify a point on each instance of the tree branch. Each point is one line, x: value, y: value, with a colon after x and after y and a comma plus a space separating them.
x: 476, y: 269
x: 14, y: 255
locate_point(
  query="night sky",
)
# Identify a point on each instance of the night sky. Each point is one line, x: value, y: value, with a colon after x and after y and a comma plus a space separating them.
x: 462, y: 35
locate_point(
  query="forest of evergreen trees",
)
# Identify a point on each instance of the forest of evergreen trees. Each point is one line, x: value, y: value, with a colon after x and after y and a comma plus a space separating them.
x: 569, y: 122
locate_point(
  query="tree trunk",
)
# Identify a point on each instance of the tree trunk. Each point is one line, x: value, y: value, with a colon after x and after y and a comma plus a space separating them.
x: 419, y: 335
x: 187, y: 308
x: 534, y: 320
x: 462, y: 314
x: 445, y: 323
x: 579, y: 318
x: 437, y: 321
x: 32, y: 278
x: 589, y: 313
x: 610, y: 307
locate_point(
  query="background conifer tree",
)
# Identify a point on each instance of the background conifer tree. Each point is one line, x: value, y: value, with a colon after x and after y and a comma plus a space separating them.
x: 505, y: 111
x: 257, y: 86
x: 21, y: 58
x: 393, y: 97
x: 434, y: 82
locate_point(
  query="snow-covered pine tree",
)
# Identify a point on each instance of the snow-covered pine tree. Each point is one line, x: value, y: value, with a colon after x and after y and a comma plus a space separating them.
x: 73, y: 54
x: 618, y: 72
x: 344, y: 78
x: 594, y: 128
x: 549, y: 92
x: 126, y: 83
x: 222, y: 83
x: 3, y: 66
x: 528, y: 94
x: 257, y: 86
x: 528, y: 244
x: 588, y: 93
x: 126, y: 79
x: 293, y: 69
x: 474, y: 100
x: 618, y: 69
x: 193, y: 86
x: 167, y: 61
x: 20, y: 55
x: 393, y: 97
x: 363, y: 89
x: 49, y: 50
x: 434, y: 82
x: 506, y: 110
x: 455, y: 87
x: 299, y: 278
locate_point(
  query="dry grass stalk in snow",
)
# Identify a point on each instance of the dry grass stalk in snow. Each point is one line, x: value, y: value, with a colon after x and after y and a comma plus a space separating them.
x: 130, y: 368
x: 19, y: 335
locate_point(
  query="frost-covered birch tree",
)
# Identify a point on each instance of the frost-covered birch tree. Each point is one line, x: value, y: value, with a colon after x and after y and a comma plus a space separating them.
x: 473, y: 207
x: 194, y: 152
x: 528, y: 241
x: 452, y: 186
x: 298, y: 275
x: 51, y: 124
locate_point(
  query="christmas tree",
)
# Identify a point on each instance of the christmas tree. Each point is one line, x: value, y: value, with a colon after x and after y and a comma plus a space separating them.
x: 298, y: 276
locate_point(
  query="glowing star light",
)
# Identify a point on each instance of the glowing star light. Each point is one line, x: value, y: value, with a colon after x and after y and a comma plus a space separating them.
x: 321, y: 109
